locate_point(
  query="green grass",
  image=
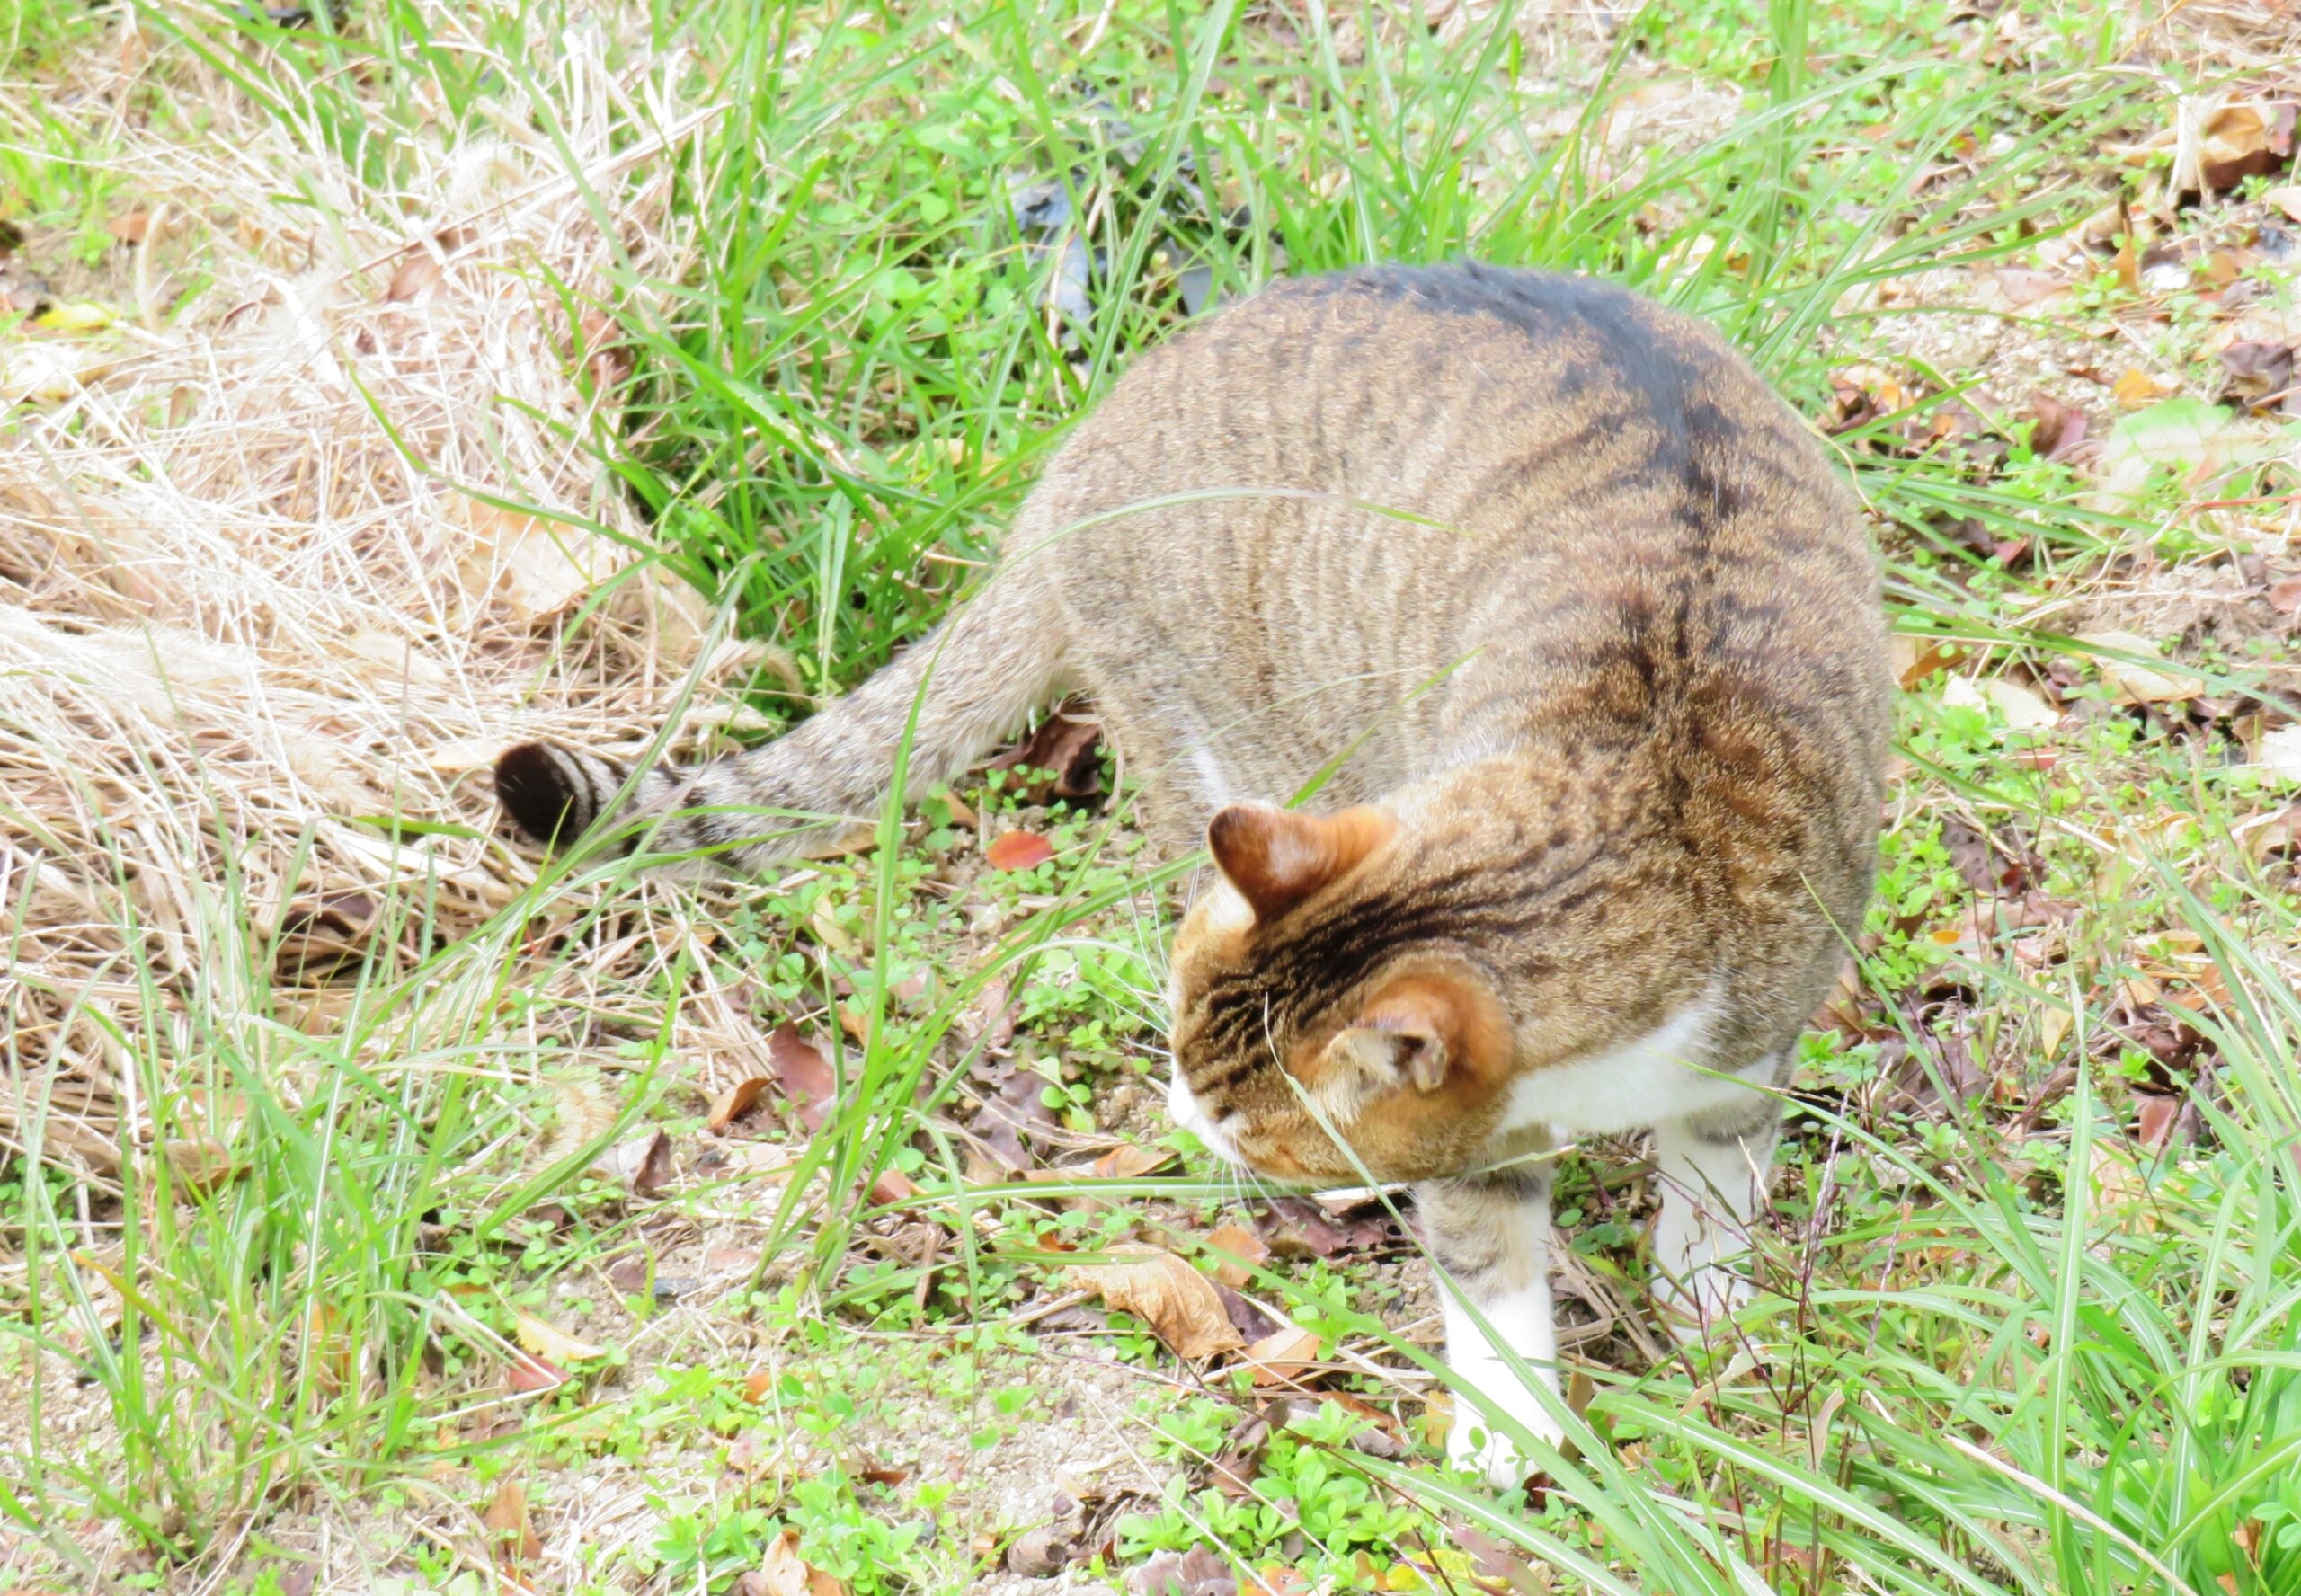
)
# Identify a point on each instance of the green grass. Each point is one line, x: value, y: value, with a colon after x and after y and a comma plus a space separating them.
x: 1994, y: 1351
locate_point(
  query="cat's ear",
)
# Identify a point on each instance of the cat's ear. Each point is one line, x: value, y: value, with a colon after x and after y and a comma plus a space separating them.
x: 1277, y: 857
x: 1381, y: 1056
x: 1419, y: 1031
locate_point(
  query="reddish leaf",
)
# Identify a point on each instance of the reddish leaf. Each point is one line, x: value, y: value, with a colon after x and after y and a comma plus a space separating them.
x: 2155, y: 1123
x: 2284, y: 597
x: 1018, y: 850
x: 530, y: 1373
x: 802, y: 1074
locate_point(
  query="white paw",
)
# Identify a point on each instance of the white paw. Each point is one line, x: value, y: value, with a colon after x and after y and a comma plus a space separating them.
x: 1475, y: 1443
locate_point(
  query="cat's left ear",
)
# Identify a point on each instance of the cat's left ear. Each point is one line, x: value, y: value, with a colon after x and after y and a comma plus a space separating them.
x: 1420, y: 1031
x: 1277, y: 857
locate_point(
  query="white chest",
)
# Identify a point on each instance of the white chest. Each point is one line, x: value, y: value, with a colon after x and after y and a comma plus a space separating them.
x: 1664, y: 1075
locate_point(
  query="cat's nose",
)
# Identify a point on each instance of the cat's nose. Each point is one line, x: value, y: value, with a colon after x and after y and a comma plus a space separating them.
x: 1182, y: 1107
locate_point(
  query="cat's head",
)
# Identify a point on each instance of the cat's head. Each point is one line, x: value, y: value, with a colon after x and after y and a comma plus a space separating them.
x: 1329, y: 1024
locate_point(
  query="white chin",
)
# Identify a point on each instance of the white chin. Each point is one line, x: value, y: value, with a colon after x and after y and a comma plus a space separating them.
x: 1182, y: 1106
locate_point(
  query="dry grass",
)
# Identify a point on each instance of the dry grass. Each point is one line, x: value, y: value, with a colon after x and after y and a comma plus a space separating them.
x: 248, y: 599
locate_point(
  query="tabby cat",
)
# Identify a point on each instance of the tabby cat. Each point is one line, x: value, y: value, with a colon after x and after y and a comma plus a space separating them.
x: 1585, y: 635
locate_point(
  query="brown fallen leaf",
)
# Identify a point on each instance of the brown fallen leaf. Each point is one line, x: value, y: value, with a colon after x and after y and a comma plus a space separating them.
x: 1068, y: 747
x: 1018, y: 850
x: 997, y: 1128
x: 547, y: 1340
x: 2260, y: 373
x: 2153, y: 1126
x: 2272, y: 836
x: 2285, y: 595
x: 1130, y: 1159
x: 783, y: 1572
x: 802, y: 1074
x: 892, y: 1186
x: 1917, y: 658
x: 1180, y: 1305
x: 1240, y: 1249
x: 2286, y: 198
x: 131, y: 226
x: 643, y: 1163
x: 735, y: 1102
x: 508, y: 1527
x: 1281, y: 1357
x: 1300, y: 1227
x: 1247, y: 1316
x: 2060, y: 427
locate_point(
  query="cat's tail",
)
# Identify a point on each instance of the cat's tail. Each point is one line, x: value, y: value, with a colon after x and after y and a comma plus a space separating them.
x: 972, y: 681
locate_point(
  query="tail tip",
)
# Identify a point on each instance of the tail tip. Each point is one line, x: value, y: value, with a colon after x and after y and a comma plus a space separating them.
x: 539, y: 790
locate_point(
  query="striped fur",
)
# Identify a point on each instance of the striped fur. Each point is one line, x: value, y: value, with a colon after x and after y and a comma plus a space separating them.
x: 1584, y: 637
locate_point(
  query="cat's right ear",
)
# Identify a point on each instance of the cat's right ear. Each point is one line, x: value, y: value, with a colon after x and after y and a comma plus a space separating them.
x: 1277, y: 857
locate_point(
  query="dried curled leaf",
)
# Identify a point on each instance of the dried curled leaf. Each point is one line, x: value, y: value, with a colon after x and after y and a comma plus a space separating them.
x: 1180, y: 1305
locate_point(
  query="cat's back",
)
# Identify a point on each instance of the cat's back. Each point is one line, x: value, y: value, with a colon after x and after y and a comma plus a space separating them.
x: 1584, y: 507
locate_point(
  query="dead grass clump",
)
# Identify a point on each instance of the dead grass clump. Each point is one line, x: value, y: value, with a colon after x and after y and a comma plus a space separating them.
x: 247, y: 598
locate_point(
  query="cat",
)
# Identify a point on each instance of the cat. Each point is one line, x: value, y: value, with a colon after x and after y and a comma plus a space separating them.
x: 1585, y: 636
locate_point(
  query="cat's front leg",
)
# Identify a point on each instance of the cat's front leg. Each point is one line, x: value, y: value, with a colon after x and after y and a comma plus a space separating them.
x: 1713, y: 1168
x: 1489, y: 1237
